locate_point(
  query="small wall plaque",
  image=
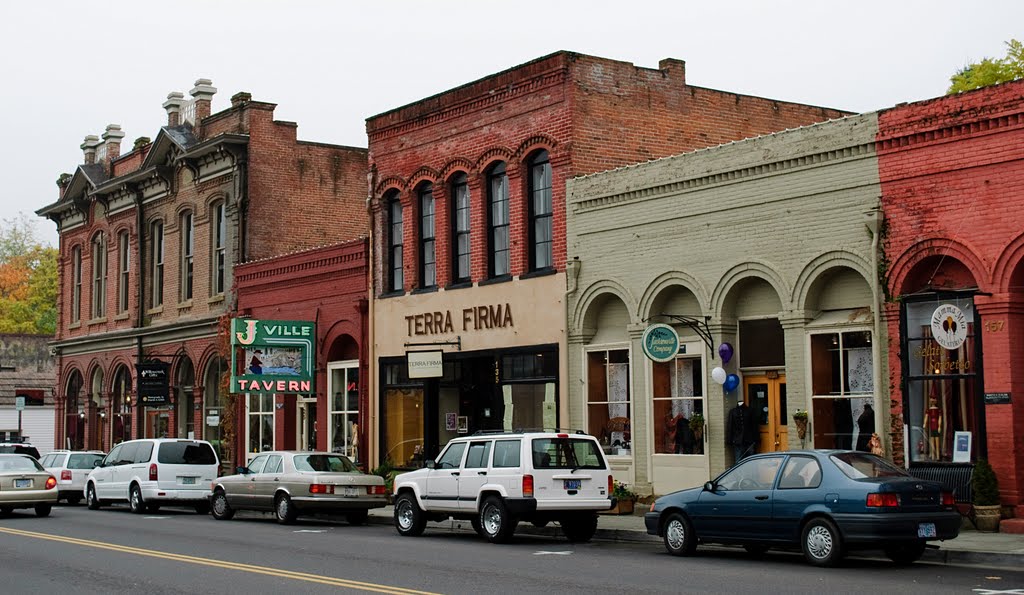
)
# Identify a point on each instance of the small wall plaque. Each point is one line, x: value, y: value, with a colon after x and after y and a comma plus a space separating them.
x: 997, y: 398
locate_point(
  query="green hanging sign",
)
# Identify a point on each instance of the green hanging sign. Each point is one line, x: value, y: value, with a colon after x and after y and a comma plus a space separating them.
x: 660, y: 342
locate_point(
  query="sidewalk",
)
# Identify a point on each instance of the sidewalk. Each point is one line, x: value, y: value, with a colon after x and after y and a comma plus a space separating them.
x: 971, y: 548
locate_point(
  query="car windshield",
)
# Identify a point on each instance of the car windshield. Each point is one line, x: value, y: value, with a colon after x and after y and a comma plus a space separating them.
x: 566, y: 453
x: 186, y: 453
x: 862, y: 465
x: 328, y: 463
x: 19, y: 464
x: 84, y: 461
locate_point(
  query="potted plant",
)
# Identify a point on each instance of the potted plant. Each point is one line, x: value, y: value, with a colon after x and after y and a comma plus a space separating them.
x: 800, y: 419
x: 624, y: 499
x: 985, y: 487
x: 697, y: 426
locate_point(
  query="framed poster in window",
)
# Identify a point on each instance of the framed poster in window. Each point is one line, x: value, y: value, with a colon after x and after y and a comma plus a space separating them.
x: 962, y: 447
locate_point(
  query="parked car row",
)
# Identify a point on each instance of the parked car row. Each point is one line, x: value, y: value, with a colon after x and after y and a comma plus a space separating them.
x: 823, y: 503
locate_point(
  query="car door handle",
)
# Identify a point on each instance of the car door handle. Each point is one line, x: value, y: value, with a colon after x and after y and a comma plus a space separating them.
x: 760, y: 497
x: 455, y: 473
x: 481, y: 473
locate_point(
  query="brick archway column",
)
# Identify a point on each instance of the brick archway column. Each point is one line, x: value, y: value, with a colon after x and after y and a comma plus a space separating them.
x: 890, y: 315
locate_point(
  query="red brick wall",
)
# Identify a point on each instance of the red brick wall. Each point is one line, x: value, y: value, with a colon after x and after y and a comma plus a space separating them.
x: 952, y: 170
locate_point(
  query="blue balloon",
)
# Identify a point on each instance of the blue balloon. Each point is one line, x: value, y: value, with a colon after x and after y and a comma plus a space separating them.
x: 725, y: 350
x: 731, y: 382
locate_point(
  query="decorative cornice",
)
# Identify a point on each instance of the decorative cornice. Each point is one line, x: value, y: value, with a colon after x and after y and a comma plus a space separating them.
x: 949, y: 133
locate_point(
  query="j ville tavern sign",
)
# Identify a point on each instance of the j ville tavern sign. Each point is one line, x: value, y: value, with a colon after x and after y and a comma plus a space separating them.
x: 474, y: 318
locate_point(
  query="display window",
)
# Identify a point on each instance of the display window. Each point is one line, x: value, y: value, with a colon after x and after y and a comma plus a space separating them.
x: 678, y: 403
x: 842, y: 386
x: 608, y: 399
x: 343, y: 413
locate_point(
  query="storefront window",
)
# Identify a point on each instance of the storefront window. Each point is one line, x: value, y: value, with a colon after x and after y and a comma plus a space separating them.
x: 942, y: 402
x: 344, y: 410
x: 678, y: 397
x: 842, y: 384
x: 608, y: 399
x: 402, y: 409
x: 261, y: 422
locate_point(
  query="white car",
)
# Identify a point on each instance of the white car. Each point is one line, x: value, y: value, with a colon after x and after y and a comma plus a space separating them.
x: 495, y: 480
x: 150, y: 472
x: 71, y: 468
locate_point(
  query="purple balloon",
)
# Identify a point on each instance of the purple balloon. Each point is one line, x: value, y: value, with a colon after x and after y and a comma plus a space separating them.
x: 725, y: 350
x: 731, y: 382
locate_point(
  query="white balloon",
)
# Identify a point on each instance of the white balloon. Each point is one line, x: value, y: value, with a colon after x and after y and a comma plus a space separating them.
x: 719, y: 375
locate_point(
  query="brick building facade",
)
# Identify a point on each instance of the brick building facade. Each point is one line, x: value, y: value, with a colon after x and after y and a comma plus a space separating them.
x: 951, y: 171
x: 468, y: 207
x: 148, y: 245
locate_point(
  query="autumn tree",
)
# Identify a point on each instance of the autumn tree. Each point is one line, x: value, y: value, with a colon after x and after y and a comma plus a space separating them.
x: 990, y: 71
x: 28, y: 279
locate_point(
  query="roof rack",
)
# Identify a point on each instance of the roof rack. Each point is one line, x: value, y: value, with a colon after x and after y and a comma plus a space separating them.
x: 527, y: 430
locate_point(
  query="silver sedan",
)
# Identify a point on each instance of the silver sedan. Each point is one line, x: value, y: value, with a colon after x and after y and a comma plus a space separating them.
x: 25, y: 484
x: 291, y: 483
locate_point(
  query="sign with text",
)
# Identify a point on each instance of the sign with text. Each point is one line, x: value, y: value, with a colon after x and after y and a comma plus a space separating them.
x: 276, y: 356
x: 997, y: 398
x: 153, y: 385
x: 425, y: 364
x: 660, y: 342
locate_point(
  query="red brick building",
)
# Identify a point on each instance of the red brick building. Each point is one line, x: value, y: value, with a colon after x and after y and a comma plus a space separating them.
x: 325, y: 285
x: 148, y: 245
x: 951, y: 171
x: 468, y: 207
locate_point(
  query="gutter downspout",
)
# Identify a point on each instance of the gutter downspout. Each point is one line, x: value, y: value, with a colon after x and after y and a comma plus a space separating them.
x: 874, y: 224
x: 141, y: 293
x: 373, y: 433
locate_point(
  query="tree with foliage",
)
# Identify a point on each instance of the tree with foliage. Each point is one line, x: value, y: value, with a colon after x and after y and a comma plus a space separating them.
x: 28, y: 279
x: 990, y: 71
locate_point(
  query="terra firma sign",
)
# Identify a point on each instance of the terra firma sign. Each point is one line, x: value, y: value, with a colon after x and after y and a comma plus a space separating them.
x: 272, y: 356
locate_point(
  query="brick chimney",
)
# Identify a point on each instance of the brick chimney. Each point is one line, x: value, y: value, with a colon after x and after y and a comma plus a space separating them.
x: 173, y: 106
x: 112, y: 143
x: 240, y: 98
x: 89, y: 148
x: 673, y: 67
x: 202, y: 96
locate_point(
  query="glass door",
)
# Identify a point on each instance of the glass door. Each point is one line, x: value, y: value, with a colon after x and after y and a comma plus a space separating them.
x: 766, y: 394
x: 306, y: 420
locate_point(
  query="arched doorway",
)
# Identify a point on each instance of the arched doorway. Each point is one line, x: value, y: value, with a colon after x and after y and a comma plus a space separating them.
x: 121, y: 407
x: 74, y: 426
x: 213, y: 407
x: 99, y: 421
x: 184, y: 398
x: 344, y: 431
x: 607, y: 375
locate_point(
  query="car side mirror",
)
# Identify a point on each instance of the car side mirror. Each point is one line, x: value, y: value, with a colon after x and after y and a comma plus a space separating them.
x: 97, y: 463
x: 709, y: 486
x: 242, y: 470
x: 430, y: 464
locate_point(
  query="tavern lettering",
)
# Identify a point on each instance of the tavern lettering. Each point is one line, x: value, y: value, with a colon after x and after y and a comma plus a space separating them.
x: 474, y: 318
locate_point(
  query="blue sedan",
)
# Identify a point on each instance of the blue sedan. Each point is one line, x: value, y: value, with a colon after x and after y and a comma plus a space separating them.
x: 824, y: 502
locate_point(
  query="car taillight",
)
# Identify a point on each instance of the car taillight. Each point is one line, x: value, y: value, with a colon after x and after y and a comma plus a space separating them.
x: 51, y: 482
x: 948, y: 499
x: 611, y: 486
x: 153, y: 473
x: 527, y: 486
x: 319, y: 488
x: 883, y: 500
x: 377, y: 490
x: 65, y: 475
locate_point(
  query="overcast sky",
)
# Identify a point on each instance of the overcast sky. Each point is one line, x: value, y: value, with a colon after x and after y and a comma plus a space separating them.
x: 70, y: 68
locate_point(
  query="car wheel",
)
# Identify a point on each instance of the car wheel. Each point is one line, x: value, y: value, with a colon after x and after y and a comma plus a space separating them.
x: 90, y: 498
x: 680, y: 540
x: 409, y: 519
x: 74, y: 500
x: 580, y: 528
x: 285, y: 510
x: 135, y: 502
x: 821, y: 543
x: 497, y: 523
x: 43, y: 509
x: 222, y: 511
x: 357, y: 517
x: 906, y: 553
x: 475, y: 522
x: 756, y: 549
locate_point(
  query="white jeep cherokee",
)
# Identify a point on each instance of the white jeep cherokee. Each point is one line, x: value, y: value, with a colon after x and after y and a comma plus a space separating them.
x: 496, y: 480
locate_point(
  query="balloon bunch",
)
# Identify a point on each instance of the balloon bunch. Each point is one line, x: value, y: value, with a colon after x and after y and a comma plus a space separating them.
x: 728, y: 381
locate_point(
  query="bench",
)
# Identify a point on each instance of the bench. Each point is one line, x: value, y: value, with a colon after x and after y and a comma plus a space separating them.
x: 956, y: 477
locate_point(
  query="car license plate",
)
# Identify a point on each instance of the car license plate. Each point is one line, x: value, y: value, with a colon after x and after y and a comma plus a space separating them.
x: 188, y: 481
x: 349, y: 492
x: 573, y: 484
x: 926, y: 530
x: 22, y: 483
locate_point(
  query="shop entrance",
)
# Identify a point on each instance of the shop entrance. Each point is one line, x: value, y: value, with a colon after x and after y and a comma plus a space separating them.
x: 158, y: 423
x: 766, y: 394
x: 306, y: 420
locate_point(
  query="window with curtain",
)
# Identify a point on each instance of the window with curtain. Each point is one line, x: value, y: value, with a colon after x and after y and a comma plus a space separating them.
x: 99, y: 276
x: 428, y: 269
x: 608, y: 399
x: 842, y: 388
x: 123, y: 250
x: 396, y: 280
x: 678, y: 395
x: 156, y: 235
x: 540, y: 212
x: 187, y: 253
x: 498, y: 222
x: 460, y: 229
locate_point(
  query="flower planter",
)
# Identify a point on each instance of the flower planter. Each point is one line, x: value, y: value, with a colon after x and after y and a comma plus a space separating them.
x: 986, y: 518
x: 621, y: 507
x: 801, y: 427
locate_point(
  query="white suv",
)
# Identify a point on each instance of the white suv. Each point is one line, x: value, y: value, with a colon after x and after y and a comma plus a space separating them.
x: 153, y: 471
x: 71, y: 468
x: 496, y: 480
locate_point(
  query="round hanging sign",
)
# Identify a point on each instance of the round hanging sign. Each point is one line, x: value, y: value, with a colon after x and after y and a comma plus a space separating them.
x: 661, y: 343
x: 949, y: 326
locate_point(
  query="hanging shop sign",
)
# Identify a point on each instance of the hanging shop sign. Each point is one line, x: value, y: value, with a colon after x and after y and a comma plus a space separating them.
x: 153, y: 383
x: 276, y: 356
x: 660, y: 342
x: 949, y: 326
x: 425, y: 364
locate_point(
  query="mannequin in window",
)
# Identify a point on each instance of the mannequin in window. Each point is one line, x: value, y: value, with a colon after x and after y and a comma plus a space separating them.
x: 842, y: 414
x: 865, y: 428
x: 934, y: 418
x: 741, y: 430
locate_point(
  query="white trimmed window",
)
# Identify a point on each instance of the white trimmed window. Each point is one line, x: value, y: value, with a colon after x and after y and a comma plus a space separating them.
x: 187, y: 253
x: 156, y: 234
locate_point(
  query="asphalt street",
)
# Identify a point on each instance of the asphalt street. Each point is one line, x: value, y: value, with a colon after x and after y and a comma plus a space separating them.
x: 76, y: 550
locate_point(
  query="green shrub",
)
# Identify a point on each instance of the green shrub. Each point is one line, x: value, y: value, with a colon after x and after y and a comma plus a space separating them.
x: 387, y: 470
x: 985, y: 485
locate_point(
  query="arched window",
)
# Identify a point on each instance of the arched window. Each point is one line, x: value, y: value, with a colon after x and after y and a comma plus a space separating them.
x: 460, y: 250
x: 396, y: 281
x: 76, y: 286
x: 219, y: 235
x: 99, y: 276
x: 540, y: 212
x: 123, y: 250
x: 74, y: 427
x: 427, y: 253
x: 497, y: 222
x: 156, y: 235
x: 187, y: 253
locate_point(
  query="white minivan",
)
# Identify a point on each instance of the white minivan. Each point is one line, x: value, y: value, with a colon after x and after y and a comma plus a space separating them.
x: 150, y: 472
